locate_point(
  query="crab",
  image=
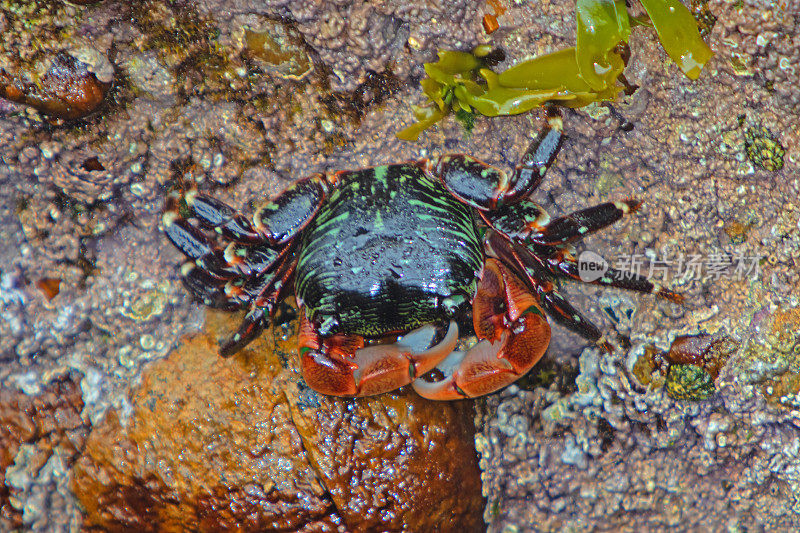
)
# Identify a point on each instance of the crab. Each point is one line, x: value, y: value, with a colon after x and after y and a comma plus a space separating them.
x: 391, y: 265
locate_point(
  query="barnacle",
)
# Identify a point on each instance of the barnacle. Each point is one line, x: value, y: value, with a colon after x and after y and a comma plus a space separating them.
x: 573, y: 77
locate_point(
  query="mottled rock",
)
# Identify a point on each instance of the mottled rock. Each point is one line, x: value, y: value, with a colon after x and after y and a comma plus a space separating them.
x: 43, y: 423
x: 772, y: 358
x: 186, y: 92
x: 244, y: 444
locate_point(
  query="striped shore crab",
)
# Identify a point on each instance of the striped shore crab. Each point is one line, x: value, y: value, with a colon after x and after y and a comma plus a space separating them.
x: 389, y: 264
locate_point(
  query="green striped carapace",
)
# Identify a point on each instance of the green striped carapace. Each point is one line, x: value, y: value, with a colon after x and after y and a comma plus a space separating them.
x: 388, y: 264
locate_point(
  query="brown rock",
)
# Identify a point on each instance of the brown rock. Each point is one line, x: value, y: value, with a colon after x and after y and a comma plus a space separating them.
x: 394, y: 462
x: 212, y: 444
x: 709, y: 352
x: 67, y: 90
x: 50, y: 419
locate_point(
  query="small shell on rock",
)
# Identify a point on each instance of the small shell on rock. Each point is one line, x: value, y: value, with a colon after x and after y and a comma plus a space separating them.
x: 763, y: 149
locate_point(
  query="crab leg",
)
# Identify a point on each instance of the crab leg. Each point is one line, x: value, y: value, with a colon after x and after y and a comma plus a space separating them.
x: 577, y: 225
x: 529, y: 223
x: 514, y: 335
x: 275, y: 222
x: 541, y: 153
x: 485, y: 187
x: 206, y: 288
x: 282, y: 218
x: 566, y: 265
x: 342, y: 366
x: 220, y: 217
x: 263, y: 296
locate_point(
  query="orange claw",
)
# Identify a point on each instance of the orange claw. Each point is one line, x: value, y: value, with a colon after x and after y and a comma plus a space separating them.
x: 342, y: 366
x: 328, y: 374
x: 514, y: 334
x: 385, y: 367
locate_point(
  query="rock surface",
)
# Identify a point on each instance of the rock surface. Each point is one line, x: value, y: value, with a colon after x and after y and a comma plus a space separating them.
x: 581, y: 443
x: 243, y: 444
x: 41, y: 434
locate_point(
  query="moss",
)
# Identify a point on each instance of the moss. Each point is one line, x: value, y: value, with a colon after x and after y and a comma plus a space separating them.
x: 704, y: 17
x: 186, y: 43
x: 467, y: 119
x: 547, y: 373
x: 373, y: 91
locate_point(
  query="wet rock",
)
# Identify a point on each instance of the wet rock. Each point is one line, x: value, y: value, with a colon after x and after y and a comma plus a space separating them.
x: 33, y: 429
x: 243, y: 443
x: 396, y: 462
x: 186, y: 92
x: 68, y: 89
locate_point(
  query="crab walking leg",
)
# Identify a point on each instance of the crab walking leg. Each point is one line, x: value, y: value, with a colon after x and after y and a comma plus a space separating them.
x: 579, y: 224
x: 275, y: 222
x: 216, y: 262
x: 514, y: 335
x: 529, y: 223
x: 565, y: 264
x: 263, y: 296
x: 220, y: 217
x: 342, y: 366
x: 541, y: 153
x: 191, y: 241
x: 282, y: 218
x: 207, y: 288
x: 485, y: 187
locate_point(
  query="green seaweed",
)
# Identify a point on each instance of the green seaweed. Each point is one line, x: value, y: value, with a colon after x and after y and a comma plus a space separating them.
x: 573, y: 77
x: 602, y: 25
x: 678, y: 33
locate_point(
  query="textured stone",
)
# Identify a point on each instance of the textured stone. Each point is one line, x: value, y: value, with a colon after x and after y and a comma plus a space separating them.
x: 242, y: 443
x: 186, y: 94
x: 46, y: 423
